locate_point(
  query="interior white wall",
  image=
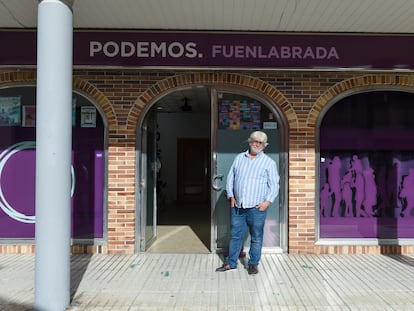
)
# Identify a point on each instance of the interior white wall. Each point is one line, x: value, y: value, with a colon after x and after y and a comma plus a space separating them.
x: 172, y: 126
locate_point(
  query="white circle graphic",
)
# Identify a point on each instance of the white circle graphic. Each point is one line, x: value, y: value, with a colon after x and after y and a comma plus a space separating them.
x: 5, y: 155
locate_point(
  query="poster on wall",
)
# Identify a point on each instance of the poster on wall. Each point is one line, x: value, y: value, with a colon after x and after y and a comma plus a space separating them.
x: 270, y: 123
x: 10, y: 111
x: 29, y: 116
x: 239, y: 115
x: 88, y: 116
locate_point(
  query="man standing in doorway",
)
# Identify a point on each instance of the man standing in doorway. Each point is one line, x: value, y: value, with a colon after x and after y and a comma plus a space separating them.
x: 252, y: 185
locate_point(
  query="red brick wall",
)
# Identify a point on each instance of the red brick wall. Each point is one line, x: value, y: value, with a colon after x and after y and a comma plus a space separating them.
x: 301, y: 96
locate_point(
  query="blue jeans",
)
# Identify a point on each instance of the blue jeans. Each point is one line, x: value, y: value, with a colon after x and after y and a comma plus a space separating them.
x: 241, y: 220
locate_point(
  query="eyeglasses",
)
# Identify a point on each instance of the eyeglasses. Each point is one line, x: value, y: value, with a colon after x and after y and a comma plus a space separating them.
x: 257, y: 142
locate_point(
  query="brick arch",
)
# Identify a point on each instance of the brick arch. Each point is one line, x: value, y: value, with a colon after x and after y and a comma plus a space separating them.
x: 99, y: 98
x: 216, y: 78
x: 29, y: 77
x: 18, y: 76
x: 355, y: 83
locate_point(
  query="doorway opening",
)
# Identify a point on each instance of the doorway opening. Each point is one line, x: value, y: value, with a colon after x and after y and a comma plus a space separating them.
x: 182, y: 165
x: 188, y: 140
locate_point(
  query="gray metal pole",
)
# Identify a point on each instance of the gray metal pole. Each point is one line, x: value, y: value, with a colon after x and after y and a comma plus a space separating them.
x: 53, y: 154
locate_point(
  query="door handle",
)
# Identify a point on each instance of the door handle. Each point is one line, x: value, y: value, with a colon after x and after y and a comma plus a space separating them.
x: 213, y: 181
x: 142, y: 183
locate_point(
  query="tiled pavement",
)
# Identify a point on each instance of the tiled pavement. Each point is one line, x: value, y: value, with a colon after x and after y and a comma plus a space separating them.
x: 151, y: 281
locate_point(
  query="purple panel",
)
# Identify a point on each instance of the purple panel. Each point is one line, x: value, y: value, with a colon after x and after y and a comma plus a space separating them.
x: 367, y: 195
x: 21, y: 47
x: 98, y: 193
x: 17, y: 181
x: 218, y: 49
x: 17, y: 184
x: 243, y: 50
x: 348, y: 228
x: 89, y: 166
x: 386, y: 228
x: 366, y: 139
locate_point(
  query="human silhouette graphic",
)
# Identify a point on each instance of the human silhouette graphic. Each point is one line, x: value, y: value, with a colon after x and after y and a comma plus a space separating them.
x: 334, y: 180
x: 407, y: 193
x: 370, y: 197
x: 358, y: 185
x: 346, y: 191
x: 324, y: 199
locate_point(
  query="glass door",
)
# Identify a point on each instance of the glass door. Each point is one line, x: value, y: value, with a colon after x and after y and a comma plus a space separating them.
x: 236, y: 116
x: 149, y: 181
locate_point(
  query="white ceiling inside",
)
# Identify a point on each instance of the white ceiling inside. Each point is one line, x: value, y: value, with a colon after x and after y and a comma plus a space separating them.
x: 352, y: 16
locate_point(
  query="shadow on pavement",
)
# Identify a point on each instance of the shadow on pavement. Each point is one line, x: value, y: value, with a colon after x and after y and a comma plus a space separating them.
x: 6, y: 305
x: 78, y: 266
x: 406, y: 260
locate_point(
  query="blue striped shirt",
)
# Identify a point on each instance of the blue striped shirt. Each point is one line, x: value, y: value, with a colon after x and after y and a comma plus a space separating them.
x: 252, y: 181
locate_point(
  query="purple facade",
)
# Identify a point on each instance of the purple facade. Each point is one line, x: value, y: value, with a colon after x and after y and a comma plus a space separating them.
x: 221, y: 50
x: 17, y: 184
x: 366, y: 193
x: 367, y: 174
x: 367, y: 167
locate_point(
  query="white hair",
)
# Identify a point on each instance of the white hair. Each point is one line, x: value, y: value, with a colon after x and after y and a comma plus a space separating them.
x: 259, y: 136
